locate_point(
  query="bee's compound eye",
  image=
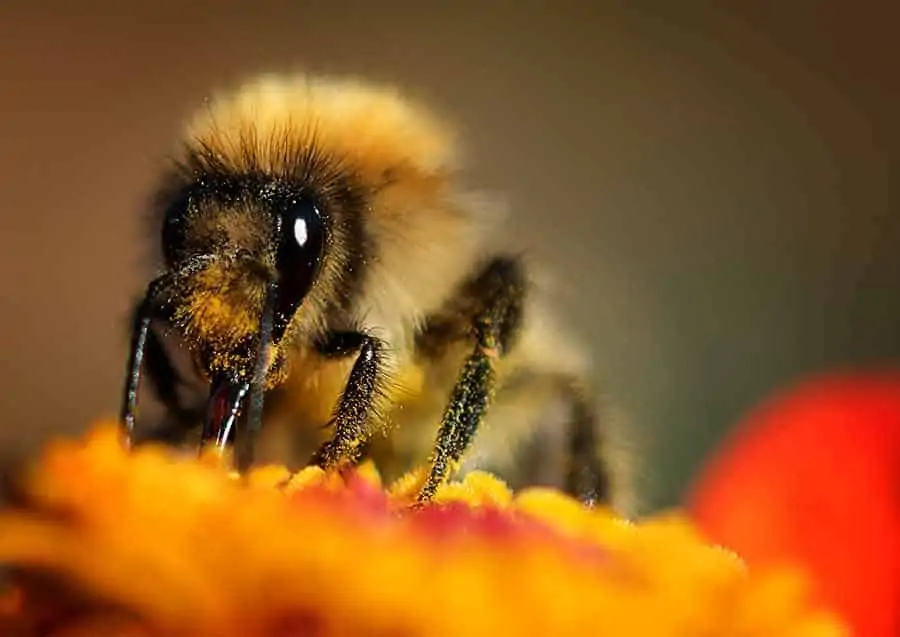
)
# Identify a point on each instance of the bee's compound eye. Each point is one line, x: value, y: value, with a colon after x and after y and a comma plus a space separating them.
x: 301, y: 242
x: 300, y: 250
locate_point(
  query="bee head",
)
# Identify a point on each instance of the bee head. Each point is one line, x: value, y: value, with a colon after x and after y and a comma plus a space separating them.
x: 239, y: 246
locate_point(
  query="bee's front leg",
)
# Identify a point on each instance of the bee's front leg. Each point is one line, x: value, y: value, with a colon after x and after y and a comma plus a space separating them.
x: 359, y: 402
x: 149, y: 353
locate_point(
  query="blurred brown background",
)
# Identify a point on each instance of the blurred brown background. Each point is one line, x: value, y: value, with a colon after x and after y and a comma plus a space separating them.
x: 710, y: 184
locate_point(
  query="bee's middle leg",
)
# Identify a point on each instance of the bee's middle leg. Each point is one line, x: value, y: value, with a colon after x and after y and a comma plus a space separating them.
x: 498, y: 294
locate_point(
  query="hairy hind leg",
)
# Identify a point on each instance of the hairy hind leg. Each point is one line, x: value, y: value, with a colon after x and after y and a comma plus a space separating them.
x: 547, y: 429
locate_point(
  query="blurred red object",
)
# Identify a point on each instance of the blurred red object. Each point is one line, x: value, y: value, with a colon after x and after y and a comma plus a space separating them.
x: 813, y: 476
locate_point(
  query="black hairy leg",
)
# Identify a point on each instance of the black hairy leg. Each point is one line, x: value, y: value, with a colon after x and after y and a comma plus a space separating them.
x: 358, y: 402
x: 149, y: 360
x: 489, y: 307
x: 587, y: 476
x: 566, y: 447
x: 146, y: 350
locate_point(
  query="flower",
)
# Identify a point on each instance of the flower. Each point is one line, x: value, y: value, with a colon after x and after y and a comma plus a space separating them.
x: 811, y: 476
x: 107, y: 541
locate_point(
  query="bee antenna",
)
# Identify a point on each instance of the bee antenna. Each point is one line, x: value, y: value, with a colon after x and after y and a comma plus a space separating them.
x: 258, y: 381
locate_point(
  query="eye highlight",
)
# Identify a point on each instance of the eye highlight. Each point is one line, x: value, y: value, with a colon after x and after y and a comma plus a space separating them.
x: 301, y: 243
x: 301, y: 233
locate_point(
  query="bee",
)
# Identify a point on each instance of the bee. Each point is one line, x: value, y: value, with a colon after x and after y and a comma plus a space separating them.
x: 326, y: 268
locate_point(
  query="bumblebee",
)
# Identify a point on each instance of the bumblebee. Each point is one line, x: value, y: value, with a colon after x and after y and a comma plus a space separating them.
x: 330, y: 275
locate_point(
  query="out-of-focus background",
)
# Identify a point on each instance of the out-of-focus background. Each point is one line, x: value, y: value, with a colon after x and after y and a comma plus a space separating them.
x: 709, y: 182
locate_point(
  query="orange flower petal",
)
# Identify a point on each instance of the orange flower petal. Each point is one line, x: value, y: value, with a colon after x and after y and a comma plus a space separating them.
x: 187, y: 549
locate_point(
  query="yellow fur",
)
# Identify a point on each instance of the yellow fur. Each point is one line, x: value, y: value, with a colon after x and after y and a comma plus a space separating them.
x: 429, y: 235
x: 373, y: 127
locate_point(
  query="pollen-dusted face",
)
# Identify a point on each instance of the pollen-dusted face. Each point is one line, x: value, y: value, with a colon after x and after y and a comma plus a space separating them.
x: 233, y: 244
